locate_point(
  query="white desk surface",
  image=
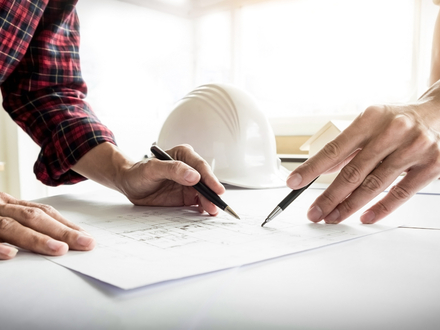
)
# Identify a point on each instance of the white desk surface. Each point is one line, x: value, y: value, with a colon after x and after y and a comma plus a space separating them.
x: 388, y: 280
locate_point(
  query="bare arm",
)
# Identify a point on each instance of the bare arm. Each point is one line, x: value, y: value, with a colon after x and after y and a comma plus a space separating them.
x: 165, y: 183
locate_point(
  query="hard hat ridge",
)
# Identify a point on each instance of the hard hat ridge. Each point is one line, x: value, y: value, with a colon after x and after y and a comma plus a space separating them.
x: 219, y: 101
x: 226, y: 127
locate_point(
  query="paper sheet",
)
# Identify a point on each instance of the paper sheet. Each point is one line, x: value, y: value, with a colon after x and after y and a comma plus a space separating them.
x: 138, y: 246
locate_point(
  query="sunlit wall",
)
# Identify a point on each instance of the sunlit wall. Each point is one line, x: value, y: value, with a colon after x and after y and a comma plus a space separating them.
x: 137, y: 63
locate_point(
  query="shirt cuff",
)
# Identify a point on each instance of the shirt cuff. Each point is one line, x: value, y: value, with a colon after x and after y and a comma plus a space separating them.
x: 68, y: 145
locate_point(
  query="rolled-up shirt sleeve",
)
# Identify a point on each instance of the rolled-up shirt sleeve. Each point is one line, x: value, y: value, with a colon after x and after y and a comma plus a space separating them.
x: 44, y: 95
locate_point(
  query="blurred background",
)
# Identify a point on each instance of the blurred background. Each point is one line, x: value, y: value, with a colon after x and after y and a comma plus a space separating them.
x: 305, y: 61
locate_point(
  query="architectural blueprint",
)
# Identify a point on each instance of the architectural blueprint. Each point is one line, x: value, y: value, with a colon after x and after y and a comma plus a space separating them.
x: 138, y: 246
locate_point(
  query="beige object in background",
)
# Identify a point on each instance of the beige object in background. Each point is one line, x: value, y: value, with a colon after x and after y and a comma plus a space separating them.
x: 318, y: 140
x: 2, y: 166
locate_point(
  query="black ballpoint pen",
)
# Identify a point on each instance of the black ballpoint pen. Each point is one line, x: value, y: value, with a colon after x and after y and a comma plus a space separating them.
x: 285, y: 203
x: 200, y: 187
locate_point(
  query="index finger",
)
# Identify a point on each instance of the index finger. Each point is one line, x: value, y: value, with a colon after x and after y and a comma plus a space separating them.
x: 49, y: 210
x: 331, y: 156
x: 187, y: 154
x: 43, y: 223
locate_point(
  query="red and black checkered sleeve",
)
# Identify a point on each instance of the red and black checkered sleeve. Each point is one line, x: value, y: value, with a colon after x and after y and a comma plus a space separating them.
x: 45, y: 95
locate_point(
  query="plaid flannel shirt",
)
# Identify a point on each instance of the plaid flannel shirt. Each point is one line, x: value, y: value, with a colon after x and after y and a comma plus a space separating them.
x: 43, y: 90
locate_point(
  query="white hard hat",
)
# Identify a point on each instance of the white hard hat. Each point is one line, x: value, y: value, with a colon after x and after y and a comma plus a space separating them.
x: 225, y: 126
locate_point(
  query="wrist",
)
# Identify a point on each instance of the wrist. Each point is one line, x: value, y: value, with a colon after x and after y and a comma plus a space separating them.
x: 104, y: 164
x: 428, y: 107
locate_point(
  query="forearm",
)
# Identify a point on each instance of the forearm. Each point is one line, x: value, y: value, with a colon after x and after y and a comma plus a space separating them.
x: 104, y: 164
x: 43, y: 91
x: 63, y: 126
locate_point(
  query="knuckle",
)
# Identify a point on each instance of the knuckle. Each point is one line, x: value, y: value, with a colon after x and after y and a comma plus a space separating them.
x: 5, y: 223
x: 332, y: 150
x: 34, y: 241
x: 351, y: 174
x: 174, y: 167
x: 372, y: 112
x: 316, y: 166
x: 6, y: 198
x: 347, y: 207
x: 64, y: 235
x: 382, y: 208
x: 329, y: 198
x: 400, y: 193
x: 307, y: 167
x: 402, y: 123
x: 186, y: 146
x: 47, y: 208
x: 201, y: 163
x: 183, y: 149
x: 31, y: 213
x: 372, y: 183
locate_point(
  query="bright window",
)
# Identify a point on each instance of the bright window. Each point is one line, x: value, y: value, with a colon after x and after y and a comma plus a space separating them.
x: 318, y: 57
x: 307, y: 60
x: 323, y: 56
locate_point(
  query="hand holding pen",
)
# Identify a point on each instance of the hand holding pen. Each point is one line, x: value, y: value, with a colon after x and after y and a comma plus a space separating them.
x: 200, y: 187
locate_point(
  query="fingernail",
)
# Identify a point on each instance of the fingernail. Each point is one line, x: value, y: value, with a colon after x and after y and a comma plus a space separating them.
x: 333, y: 217
x: 315, y: 213
x: 368, y: 216
x: 191, y: 175
x: 84, y: 240
x: 8, y: 251
x: 294, y: 181
x: 56, y: 245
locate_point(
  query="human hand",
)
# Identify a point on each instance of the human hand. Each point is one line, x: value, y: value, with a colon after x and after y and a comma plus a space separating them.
x: 38, y: 228
x: 169, y: 183
x: 382, y: 143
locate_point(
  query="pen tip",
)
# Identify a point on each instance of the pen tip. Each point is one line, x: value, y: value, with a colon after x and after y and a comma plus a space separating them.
x: 231, y: 212
x: 265, y: 221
